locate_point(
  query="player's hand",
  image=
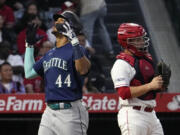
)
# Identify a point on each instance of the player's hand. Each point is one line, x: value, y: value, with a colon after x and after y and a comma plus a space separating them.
x: 66, y: 30
x: 31, y: 37
x: 165, y: 71
x: 61, y: 29
x: 156, y: 83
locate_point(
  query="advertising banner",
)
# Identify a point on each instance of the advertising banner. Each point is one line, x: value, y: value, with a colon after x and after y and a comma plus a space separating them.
x: 96, y: 103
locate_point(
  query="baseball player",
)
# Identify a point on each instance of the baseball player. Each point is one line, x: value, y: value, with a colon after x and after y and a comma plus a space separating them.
x: 62, y: 68
x: 133, y: 78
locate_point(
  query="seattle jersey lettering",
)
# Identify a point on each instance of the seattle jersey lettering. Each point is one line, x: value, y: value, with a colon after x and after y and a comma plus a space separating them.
x: 55, y: 62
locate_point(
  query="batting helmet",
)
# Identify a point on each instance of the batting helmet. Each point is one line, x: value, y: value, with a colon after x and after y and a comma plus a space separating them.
x: 71, y: 17
x: 129, y: 31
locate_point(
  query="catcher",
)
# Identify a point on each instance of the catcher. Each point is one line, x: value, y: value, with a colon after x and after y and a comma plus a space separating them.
x: 134, y: 78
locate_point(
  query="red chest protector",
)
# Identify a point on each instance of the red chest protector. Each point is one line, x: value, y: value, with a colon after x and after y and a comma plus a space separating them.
x: 144, y: 71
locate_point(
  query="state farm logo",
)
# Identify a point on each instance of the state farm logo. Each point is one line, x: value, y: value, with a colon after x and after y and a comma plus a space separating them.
x: 174, y: 104
x: 14, y: 104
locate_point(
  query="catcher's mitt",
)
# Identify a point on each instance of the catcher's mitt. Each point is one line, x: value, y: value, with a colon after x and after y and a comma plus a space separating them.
x: 164, y: 70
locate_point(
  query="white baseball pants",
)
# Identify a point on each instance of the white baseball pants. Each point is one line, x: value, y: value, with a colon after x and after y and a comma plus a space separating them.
x: 138, y: 122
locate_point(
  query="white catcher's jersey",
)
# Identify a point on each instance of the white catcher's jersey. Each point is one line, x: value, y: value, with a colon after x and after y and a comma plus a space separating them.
x: 122, y: 73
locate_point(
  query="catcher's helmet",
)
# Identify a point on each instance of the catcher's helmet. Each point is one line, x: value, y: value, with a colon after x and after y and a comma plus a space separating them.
x: 127, y: 32
x: 71, y: 17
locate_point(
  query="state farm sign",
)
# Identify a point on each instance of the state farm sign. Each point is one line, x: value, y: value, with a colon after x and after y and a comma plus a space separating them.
x: 22, y: 103
x: 34, y: 103
x: 15, y: 104
x: 97, y: 103
x: 101, y: 102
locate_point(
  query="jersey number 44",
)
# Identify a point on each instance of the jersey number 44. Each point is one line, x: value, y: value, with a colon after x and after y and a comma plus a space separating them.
x: 66, y: 81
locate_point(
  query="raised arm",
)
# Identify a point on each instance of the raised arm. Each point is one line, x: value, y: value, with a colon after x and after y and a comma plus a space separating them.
x: 82, y: 63
x: 29, y: 53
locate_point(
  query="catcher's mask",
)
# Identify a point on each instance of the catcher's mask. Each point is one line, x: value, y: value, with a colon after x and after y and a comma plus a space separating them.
x: 71, y: 17
x: 133, y: 37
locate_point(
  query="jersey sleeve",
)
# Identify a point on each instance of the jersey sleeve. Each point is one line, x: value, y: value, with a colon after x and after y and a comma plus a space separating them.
x: 28, y: 63
x: 122, y: 73
x: 84, y: 52
x: 38, y: 67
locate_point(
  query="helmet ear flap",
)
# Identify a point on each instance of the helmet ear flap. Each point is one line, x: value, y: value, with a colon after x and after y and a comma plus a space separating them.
x: 122, y: 41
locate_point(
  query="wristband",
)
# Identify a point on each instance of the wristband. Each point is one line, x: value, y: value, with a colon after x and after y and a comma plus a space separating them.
x: 75, y: 41
x: 28, y: 45
x: 78, y: 53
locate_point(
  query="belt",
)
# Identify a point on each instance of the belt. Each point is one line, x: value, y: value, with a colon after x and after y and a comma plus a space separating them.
x: 59, y: 106
x: 146, y: 109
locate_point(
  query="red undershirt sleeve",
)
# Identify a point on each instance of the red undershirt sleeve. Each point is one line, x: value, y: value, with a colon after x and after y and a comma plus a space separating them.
x: 124, y: 92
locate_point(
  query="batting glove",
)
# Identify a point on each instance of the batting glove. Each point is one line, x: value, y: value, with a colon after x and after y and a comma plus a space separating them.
x: 31, y: 37
x: 67, y: 31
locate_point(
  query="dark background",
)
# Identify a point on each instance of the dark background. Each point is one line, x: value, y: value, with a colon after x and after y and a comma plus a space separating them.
x: 100, y: 124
